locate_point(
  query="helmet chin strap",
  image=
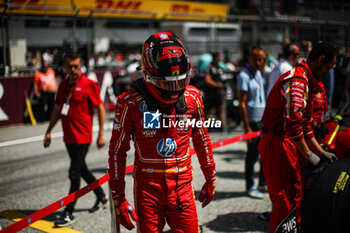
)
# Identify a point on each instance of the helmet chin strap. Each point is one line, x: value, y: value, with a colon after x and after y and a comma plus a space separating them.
x: 181, y: 105
x: 140, y: 86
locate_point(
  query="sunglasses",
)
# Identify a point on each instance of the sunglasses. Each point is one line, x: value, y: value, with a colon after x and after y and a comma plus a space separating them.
x: 73, y: 66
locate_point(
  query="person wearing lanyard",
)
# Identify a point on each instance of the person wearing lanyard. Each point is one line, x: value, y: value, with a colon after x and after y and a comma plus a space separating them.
x: 288, y: 144
x: 74, y: 105
x: 251, y: 98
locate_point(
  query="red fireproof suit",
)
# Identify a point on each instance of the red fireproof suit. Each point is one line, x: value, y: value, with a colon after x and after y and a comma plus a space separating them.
x: 319, y: 109
x: 163, y: 190
x: 287, y: 118
x: 342, y: 144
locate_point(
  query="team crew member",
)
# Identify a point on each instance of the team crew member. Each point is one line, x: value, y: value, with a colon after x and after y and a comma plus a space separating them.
x: 76, y: 98
x: 288, y: 140
x: 214, y: 87
x: 45, y: 88
x: 319, y: 108
x: 342, y: 144
x: 252, y: 102
x: 163, y: 190
x: 319, y: 116
x: 288, y: 60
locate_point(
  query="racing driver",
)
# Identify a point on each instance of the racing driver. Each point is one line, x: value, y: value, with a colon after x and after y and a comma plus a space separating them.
x: 163, y: 190
x: 288, y: 143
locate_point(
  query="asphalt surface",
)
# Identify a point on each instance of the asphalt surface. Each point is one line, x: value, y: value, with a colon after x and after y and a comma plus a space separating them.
x: 33, y: 177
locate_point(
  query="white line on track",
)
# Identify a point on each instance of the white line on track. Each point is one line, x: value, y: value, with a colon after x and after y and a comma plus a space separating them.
x: 30, y: 139
x: 41, y: 137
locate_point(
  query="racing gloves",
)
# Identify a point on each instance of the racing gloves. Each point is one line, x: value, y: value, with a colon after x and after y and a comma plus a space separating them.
x: 208, y: 190
x: 121, y: 206
x: 122, y: 211
x: 207, y: 193
x: 329, y: 157
x: 313, y: 159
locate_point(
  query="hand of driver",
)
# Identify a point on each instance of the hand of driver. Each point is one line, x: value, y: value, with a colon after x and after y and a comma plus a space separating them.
x: 122, y: 211
x: 207, y: 193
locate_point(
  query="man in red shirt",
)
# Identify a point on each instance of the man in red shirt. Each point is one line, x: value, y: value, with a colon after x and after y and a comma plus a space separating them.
x: 76, y: 98
x: 288, y: 141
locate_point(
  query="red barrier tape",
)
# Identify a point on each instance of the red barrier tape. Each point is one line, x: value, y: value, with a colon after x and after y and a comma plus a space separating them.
x: 40, y: 214
x: 54, y: 206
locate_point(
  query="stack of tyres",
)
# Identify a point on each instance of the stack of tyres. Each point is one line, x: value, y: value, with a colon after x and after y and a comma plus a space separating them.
x: 326, y: 201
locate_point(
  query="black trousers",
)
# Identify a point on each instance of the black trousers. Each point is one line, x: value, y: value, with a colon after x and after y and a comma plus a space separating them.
x: 78, y: 168
x: 252, y: 157
x: 46, y: 103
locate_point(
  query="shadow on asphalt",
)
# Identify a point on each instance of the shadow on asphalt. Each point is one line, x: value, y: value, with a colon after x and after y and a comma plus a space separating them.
x: 224, y: 195
x: 230, y: 175
x: 50, y: 217
x: 230, y: 155
x: 234, y: 153
x: 238, y: 222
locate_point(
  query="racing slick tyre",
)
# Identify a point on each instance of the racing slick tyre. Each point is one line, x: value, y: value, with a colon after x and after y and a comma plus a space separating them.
x: 326, y: 201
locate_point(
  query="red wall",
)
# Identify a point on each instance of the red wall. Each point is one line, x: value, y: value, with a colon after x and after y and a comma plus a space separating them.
x: 12, y: 100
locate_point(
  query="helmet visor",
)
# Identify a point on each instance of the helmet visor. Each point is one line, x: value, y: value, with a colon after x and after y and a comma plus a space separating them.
x: 170, y: 83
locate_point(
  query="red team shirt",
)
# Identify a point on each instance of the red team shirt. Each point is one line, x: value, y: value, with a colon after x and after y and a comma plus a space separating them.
x: 77, y: 124
x: 46, y: 81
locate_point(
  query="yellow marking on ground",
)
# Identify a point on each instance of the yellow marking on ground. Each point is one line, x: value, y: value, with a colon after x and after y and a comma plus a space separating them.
x: 41, y: 225
x: 30, y: 111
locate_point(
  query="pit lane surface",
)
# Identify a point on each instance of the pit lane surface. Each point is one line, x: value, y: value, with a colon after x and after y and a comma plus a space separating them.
x: 33, y: 177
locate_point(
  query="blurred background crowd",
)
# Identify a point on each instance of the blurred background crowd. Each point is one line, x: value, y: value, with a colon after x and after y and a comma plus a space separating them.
x: 35, y: 35
x: 126, y: 65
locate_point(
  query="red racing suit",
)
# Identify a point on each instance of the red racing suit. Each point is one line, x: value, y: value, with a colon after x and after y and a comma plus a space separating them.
x: 319, y: 108
x: 163, y: 188
x: 287, y: 118
x: 342, y: 144
x: 326, y: 130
